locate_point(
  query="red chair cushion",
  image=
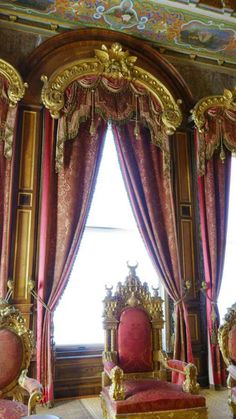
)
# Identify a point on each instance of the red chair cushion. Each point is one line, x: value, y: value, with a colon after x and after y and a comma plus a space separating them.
x: 12, y: 410
x: 153, y: 395
x: 135, y: 341
x: 11, y: 353
x: 232, y: 343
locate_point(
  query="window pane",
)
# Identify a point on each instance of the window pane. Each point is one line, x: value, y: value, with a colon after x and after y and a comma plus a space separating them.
x: 227, y: 295
x: 111, y: 238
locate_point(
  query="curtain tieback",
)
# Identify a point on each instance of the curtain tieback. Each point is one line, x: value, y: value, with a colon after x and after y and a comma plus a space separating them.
x: 36, y: 296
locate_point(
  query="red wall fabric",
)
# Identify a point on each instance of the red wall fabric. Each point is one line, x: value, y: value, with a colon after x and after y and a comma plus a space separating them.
x: 134, y: 341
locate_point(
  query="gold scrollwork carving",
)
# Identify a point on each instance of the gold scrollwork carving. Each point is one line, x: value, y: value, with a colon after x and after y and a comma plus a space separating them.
x: 227, y: 101
x: 116, y: 63
x: 224, y: 331
x: 17, y: 87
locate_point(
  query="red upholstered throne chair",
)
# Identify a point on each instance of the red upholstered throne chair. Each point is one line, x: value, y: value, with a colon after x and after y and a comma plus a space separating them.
x: 134, y: 378
x: 227, y: 342
x: 16, y: 345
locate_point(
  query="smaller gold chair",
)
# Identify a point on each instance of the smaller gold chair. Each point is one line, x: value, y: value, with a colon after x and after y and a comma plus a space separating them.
x: 16, y: 345
x: 227, y: 342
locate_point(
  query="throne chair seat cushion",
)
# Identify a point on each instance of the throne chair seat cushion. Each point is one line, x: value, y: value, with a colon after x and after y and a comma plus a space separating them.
x: 11, y: 351
x: 152, y: 395
x: 10, y: 409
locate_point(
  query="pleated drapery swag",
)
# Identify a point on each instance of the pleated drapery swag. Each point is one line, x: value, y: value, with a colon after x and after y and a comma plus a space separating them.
x: 143, y: 149
x: 8, y: 116
x: 214, y: 146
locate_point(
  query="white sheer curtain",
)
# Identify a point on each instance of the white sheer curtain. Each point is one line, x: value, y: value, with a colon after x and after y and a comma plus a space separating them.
x: 227, y: 295
x: 111, y: 238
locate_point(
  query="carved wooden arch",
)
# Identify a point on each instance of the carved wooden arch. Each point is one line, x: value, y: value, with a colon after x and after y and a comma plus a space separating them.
x: 64, y: 49
x: 16, y: 89
x: 116, y: 63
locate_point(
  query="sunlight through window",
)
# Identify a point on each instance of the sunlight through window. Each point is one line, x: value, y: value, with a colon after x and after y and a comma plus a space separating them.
x: 111, y: 238
x: 227, y: 295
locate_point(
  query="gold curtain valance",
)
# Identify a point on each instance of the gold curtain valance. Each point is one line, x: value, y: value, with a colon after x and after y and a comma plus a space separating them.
x: 114, y: 69
x: 215, y: 121
x: 12, y: 89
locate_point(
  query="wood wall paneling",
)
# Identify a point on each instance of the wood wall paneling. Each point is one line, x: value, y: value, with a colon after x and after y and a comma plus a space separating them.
x: 183, y: 171
x: 78, y: 376
x: 187, y: 246
x: 27, y: 197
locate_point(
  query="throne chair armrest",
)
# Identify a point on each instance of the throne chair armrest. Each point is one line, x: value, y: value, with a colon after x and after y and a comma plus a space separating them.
x: 187, y: 372
x: 34, y: 388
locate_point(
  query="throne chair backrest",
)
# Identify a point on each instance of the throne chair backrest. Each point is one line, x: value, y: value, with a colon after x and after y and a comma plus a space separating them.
x: 134, y: 341
x: 133, y: 323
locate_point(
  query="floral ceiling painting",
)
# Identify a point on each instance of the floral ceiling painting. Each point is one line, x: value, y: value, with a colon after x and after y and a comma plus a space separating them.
x: 201, y: 32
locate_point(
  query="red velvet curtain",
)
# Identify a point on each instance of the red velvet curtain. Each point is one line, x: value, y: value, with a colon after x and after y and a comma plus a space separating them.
x: 148, y: 181
x: 214, y: 146
x: 65, y: 203
x: 7, y: 127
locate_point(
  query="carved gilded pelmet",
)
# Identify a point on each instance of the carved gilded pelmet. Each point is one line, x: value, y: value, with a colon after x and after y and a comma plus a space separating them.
x: 215, y: 120
x: 12, y: 89
x: 114, y: 71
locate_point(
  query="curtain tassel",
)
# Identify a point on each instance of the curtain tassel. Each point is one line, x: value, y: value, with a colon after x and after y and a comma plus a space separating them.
x: 222, y: 152
x: 92, y: 129
x: 136, y: 128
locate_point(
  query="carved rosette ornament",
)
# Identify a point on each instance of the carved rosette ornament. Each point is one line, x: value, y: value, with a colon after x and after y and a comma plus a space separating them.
x: 113, y: 63
x: 15, y: 92
x: 219, y: 108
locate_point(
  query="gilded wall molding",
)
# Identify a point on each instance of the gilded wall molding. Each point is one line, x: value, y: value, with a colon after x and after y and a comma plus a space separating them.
x: 116, y: 63
x: 227, y: 101
x: 16, y: 89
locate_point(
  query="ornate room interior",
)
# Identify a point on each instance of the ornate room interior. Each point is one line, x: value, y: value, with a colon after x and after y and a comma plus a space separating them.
x: 160, y: 74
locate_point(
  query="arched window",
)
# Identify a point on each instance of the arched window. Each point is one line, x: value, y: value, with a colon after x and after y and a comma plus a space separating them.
x: 111, y: 239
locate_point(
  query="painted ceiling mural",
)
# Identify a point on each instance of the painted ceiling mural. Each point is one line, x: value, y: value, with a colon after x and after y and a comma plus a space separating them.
x: 202, y: 33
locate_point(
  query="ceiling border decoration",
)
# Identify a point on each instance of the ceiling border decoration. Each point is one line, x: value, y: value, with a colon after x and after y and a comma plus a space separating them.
x: 16, y: 89
x: 189, y: 27
x: 116, y: 63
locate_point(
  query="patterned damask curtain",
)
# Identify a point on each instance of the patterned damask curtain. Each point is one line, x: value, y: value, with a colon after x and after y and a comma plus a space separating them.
x: 90, y: 103
x: 148, y: 183
x: 7, y: 127
x: 215, y: 143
